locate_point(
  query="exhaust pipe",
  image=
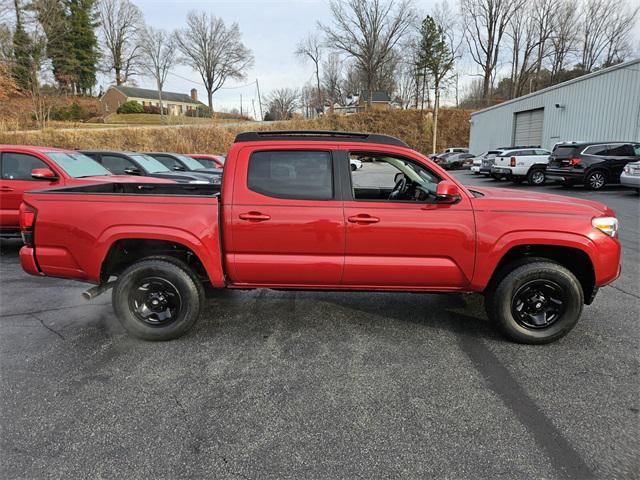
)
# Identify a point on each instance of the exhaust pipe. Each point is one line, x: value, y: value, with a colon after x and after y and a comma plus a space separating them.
x: 93, y: 292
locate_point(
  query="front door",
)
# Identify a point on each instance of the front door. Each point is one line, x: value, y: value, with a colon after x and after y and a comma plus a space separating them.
x: 398, y: 235
x: 15, y: 171
x: 286, y: 225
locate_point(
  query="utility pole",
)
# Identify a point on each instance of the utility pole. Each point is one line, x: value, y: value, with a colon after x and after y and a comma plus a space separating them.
x: 240, y: 104
x: 253, y: 104
x: 259, y: 100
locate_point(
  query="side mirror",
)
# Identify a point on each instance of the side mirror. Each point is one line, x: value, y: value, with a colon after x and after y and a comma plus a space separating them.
x: 43, y: 174
x: 179, y: 168
x: 447, y: 192
x: 132, y: 171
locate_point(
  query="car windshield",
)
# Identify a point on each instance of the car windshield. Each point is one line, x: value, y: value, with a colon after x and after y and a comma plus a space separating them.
x: 191, y: 163
x: 150, y: 164
x: 77, y: 165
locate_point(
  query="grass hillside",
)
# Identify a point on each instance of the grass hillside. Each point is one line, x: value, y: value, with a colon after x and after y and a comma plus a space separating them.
x: 408, y: 125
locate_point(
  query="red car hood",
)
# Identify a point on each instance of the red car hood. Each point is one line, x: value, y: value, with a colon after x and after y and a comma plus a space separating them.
x: 506, y: 199
x: 120, y: 179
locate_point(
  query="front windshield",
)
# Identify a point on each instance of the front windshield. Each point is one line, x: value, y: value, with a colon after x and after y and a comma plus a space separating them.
x: 77, y: 165
x: 150, y: 164
x: 191, y: 163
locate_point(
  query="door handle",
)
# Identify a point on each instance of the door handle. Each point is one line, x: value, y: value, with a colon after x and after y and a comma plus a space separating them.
x: 363, y: 218
x: 6, y: 189
x: 254, y: 217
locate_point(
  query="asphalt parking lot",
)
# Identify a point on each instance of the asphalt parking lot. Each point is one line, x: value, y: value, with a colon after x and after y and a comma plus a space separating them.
x: 320, y: 385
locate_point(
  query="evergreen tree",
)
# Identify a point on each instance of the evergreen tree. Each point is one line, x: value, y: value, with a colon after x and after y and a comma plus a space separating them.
x: 22, y: 52
x: 83, y: 22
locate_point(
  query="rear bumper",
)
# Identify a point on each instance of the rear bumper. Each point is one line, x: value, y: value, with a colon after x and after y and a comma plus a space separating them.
x: 630, y: 180
x: 28, y: 261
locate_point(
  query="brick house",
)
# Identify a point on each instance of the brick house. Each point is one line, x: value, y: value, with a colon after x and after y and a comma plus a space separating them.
x: 175, y: 103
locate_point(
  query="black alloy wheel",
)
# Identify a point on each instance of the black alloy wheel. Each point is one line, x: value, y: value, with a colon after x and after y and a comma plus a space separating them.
x: 155, y: 301
x: 538, y: 304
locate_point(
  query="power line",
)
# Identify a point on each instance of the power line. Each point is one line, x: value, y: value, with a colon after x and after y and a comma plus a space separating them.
x: 221, y: 88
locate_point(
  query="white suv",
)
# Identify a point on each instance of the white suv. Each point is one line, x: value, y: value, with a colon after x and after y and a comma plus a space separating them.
x: 522, y: 164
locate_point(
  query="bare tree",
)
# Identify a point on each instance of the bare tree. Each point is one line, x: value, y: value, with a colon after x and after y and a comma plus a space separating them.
x: 618, y: 33
x: 485, y: 24
x: 368, y: 31
x: 214, y: 50
x: 332, y: 81
x: 310, y: 48
x: 283, y: 102
x: 120, y: 22
x: 563, y: 37
x: 158, y: 54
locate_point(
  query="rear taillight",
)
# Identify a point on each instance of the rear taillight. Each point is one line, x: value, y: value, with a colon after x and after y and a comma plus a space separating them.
x: 513, y: 161
x: 27, y: 219
x: 574, y: 161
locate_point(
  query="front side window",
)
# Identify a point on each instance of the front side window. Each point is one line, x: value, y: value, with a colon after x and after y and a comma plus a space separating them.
x: 621, y: 151
x: 116, y: 164
x: 393, y: 179
x: 18, y: 166
x: 77, y: 165
x: 303, y: 175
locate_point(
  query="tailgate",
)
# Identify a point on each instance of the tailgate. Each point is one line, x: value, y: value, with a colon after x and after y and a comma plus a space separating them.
x: 503, y: 161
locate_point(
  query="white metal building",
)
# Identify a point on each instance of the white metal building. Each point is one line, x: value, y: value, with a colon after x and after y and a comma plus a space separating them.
x: 600, y: 106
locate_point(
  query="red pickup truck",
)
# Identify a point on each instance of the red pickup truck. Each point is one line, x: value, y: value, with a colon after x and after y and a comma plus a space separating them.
x: 291, y: 214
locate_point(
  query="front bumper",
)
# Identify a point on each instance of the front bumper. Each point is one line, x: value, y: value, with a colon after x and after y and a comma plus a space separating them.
x: 475, y: 169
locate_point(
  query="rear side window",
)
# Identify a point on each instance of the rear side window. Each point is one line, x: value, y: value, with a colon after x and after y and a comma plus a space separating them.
x: 18, y: 166
x: 304, y: 175
x: 598, y: 150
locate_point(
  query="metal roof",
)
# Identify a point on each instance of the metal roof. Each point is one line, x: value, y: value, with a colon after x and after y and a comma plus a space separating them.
x: 563, y: 84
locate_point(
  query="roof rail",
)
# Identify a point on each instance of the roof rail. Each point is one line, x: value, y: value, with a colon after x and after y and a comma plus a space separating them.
x: 319, y: 135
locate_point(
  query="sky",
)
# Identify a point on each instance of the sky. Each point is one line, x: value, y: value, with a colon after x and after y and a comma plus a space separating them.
x: 270, y: 28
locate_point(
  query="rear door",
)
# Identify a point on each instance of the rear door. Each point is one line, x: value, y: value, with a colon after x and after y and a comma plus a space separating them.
x: 285, y: 225
x: 15, y: 173
x: 404, y: 240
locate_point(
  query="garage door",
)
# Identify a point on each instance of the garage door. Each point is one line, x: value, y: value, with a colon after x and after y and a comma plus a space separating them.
x: 528, y: 128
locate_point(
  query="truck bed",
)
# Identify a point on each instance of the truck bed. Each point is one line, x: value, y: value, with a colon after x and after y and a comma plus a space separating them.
x: 77, y: 226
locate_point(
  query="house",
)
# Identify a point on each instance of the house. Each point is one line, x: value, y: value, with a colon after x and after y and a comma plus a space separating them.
x: 175, y: 103
x: 380, y: 100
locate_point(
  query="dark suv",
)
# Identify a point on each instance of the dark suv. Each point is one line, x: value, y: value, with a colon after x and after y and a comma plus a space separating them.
x: 594, y: 164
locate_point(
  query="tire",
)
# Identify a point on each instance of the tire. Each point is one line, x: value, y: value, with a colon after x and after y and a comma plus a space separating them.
x: 524, y: 303
x: 158, y: 298
x: 496, y: 177
x: 595, y: 180
x: 353, y: 167
x: 536, y: 177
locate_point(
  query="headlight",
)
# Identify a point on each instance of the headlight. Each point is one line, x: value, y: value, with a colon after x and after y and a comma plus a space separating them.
x: 608, y: 225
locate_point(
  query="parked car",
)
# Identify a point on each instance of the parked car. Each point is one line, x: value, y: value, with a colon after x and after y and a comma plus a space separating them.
x: 24, y: 168
x: 139, y: 164
x: 456, y: 150
x: 476, y: 162
x: 522, y: 164
x: 593, y: 164
x: 183, y: 163
x: 631, y: 176
x: 209, y: 160
x: 288, y: 217
x: 456, y: 161
x: 355, y: 164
